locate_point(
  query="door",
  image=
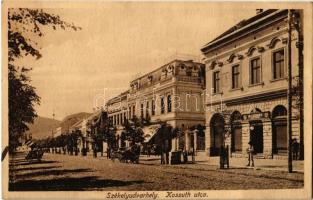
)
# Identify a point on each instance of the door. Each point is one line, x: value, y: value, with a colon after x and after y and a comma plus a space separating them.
x: 256, y: 136
x: 280, y: 138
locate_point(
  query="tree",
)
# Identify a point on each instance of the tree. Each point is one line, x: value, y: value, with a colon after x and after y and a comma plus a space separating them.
x: 25, y: 26
x: 133, y: 130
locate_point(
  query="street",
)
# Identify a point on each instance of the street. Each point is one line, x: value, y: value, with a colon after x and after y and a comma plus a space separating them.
x: 58, y: 172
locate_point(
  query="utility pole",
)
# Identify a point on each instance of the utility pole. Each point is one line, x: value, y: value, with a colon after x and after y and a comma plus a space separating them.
x: 53, y: 115
x: 289, y: 95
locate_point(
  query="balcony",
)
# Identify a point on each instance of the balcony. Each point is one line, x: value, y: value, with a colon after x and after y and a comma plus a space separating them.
x: 190, y: 79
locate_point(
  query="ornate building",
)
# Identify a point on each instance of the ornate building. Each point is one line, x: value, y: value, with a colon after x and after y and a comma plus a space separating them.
x: 173, y: 93
x: 246, y: 69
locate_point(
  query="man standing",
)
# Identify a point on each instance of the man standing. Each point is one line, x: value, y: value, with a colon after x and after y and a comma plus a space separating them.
x: 250, y: 151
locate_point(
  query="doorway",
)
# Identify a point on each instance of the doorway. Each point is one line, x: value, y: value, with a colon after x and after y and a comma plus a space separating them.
x: 256, y: 136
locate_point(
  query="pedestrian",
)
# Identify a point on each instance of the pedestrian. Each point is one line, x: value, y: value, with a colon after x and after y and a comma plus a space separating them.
x: 223, y: 157
x: 148, y: 150
x: 95, y: 151
x: 250, y: 151
x: 295, y: 149
x: 185, y: 155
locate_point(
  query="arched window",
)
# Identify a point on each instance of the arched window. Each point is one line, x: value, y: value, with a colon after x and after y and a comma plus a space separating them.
x: 279, y: 111
x: 169, y: 103
x: 279, y: 129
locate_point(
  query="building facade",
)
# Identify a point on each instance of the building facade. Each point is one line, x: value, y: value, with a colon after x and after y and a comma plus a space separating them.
x: 173, y: 93
x: 246, y: 73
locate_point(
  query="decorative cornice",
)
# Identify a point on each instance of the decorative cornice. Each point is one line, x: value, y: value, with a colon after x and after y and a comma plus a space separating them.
x: 253, y: 98
x: 273, y: 42
x: 250, y: 50
x: 212, y: 65
x: 260, y: 49
x: 231, y: 58
x: 240, y: 57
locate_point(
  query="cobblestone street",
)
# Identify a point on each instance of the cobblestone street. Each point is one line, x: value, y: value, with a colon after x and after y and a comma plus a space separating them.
x: 72, y: 173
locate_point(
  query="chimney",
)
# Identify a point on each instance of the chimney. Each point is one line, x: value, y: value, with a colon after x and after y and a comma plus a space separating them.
x: 258, y: 11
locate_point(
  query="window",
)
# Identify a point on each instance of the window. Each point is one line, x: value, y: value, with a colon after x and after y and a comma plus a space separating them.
x: 216, y: 82
x: 134, y: 111
x: 153, y: 107
x: 162, y: 105
x: 169, y: 103
x: 147, y: 110
x: 255, y: 65
x: 278, y: 64
x: 235, y: 76
x: 141, y: 110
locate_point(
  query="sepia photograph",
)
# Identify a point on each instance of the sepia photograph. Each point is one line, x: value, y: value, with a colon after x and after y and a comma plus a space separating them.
x: 156, y: 100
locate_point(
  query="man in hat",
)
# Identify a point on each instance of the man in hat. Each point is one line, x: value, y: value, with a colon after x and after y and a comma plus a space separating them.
x: 250, y: 151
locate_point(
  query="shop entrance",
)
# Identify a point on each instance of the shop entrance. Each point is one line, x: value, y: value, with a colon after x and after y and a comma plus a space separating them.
x: 256, y: 136
x: 217, y: 131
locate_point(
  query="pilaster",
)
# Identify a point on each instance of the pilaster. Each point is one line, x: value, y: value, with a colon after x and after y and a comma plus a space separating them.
x: 267, y: 139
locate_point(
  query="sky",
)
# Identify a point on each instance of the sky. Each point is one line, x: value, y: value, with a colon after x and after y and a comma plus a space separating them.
x: 118, y: 42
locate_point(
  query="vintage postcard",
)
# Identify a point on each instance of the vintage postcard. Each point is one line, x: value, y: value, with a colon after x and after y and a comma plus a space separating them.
x: 156, y: 100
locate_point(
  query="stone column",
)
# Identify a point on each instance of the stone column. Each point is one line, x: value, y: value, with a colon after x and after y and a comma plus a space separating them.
x: 195, y: 134
x: 245, y: 137
x: 119, y: 142
x: 267, y: 139
x: 187, y: 140
x: 174, y: 148
x: 207, y: 140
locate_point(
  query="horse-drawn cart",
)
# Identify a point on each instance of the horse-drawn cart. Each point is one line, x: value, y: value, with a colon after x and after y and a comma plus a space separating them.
x: 34, y: 154
x: 126, y: 155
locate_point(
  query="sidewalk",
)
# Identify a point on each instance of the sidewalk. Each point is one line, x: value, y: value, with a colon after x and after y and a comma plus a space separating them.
x: 264, y: 164
x: 259, y: 164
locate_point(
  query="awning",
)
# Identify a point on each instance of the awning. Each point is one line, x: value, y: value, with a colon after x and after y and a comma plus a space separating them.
x: 150, y: 131
x: 29, y: 143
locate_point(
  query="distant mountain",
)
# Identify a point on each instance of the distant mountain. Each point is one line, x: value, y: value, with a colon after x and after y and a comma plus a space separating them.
x: 70, y: 120
x: 42, y: 127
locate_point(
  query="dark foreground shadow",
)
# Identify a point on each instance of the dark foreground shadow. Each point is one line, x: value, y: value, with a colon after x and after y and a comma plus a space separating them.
x: 34, y: 168
x: 69, y: 184
x: 54, y: 172
x: 35, y: 162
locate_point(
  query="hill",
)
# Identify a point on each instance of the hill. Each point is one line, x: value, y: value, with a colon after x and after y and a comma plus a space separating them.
x: 70, y: 120
x: 42, y: 127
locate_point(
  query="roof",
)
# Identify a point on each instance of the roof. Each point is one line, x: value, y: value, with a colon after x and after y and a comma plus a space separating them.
x: 77, y: 124
x: 168, y: 63
x: 241, y: 27
x: 118, y: 97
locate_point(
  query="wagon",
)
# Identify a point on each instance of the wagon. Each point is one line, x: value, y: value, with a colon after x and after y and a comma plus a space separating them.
x: 34, y: 155
x: 126, y: 155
